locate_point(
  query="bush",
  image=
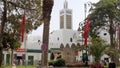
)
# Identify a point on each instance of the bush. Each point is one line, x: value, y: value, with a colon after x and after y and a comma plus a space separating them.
x: 58, y: 63
x: 51, y: 63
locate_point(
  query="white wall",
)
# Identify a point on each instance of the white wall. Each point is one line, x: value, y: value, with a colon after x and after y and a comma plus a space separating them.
x: 64, y: 36
x: 105, y: 37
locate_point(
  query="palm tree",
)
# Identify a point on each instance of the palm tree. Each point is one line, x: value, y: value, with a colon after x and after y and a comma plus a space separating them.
x: 97, y: 49
x: 47, y: 9
x: 113, y: 53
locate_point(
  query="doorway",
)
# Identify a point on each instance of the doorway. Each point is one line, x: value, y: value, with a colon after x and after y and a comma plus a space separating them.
x: 30, y: 60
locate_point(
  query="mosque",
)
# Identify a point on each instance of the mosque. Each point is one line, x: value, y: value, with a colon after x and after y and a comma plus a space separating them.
x: 61, y: 41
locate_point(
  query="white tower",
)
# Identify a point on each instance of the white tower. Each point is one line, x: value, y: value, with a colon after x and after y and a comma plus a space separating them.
x: 66, y: 17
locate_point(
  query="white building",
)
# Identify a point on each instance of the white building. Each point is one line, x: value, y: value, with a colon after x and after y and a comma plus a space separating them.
x: 66, y: 35
x: 103, y: 33
x: 63, y: 36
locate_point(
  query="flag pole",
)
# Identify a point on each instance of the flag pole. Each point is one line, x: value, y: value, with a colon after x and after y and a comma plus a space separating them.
x: 85, y: 40
x: 24, y: 37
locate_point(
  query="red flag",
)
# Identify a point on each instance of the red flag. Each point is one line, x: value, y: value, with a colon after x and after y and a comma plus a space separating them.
x: 23, y: 26
x: 86, y: 29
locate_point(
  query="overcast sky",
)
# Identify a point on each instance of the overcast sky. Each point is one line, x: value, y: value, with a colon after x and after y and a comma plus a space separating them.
x: 78, y: 14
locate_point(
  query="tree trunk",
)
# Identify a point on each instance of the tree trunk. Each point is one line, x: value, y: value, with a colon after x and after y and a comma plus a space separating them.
x: 46, y: 40
x: 113, y: 56
x: 11, y: 56
x: 47, y: 8
x: 4, y: 19
x: 111, y: 31
x: 1, y: 53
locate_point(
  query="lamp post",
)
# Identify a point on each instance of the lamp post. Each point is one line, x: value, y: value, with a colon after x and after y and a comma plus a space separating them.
x: 86, y: 9
x: 84, y: 51
x: 85, y: 55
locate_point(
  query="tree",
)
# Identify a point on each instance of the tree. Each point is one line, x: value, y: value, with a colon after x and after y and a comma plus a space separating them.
x: 11, y: 18
x: 97, y: 49
x: 113, y: 54
x: 47, y: 9
x: 105, y: 13
x: 9, y: 42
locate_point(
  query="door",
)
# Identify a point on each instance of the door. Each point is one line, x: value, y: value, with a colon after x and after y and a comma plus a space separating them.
x: 7, y: 59
x: 30, y: 60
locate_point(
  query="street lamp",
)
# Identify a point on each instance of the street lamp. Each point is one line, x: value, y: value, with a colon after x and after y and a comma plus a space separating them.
x: 88, y: 4
x: 85, y: 55
x: 84, y: 51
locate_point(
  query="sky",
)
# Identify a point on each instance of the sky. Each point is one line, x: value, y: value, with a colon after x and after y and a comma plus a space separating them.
x: 78, y: 14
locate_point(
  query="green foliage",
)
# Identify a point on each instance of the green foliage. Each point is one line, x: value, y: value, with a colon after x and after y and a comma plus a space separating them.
x: 59, y: 63
x: 16, y: 45
x: 10, y: 42
x: 51, y: 62
x: 97, y: 48
x: 11, y: 18
x: 105, y: 13
x: 15, y: 10
x: 19, y: 66
x: 113, y: 53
